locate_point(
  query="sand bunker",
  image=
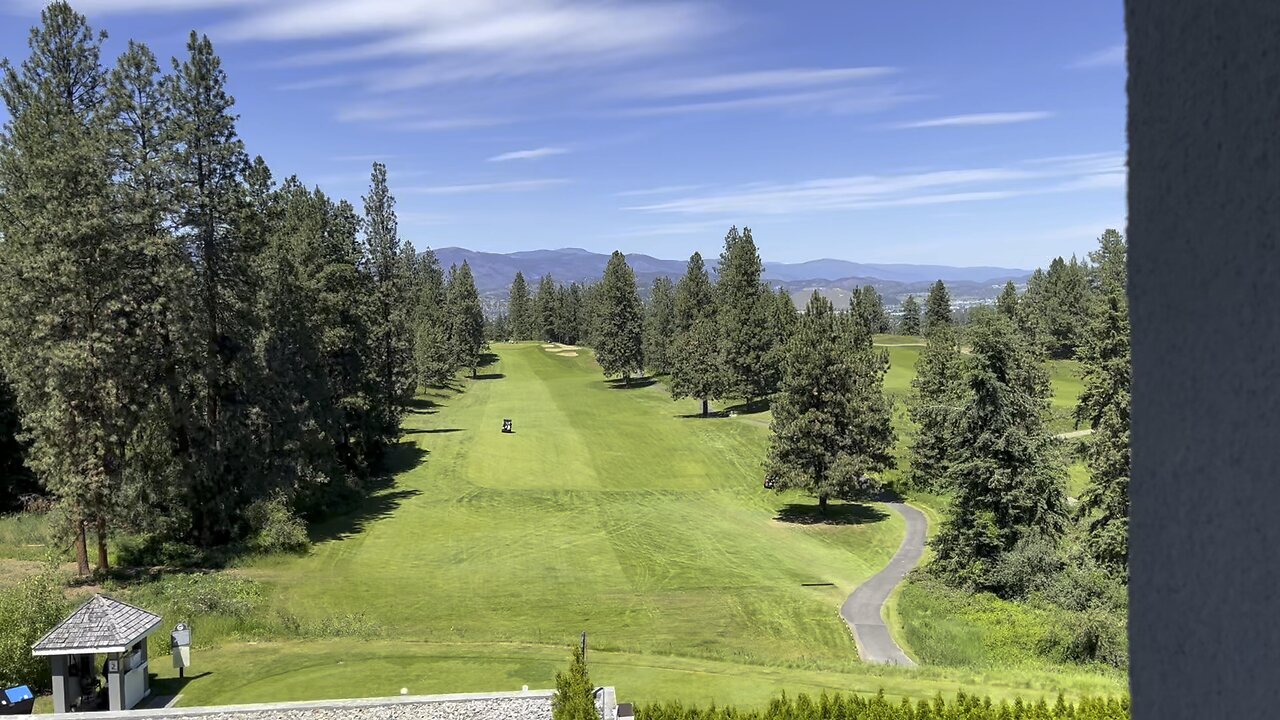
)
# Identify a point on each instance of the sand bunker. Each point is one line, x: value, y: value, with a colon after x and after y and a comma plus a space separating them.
x: 567, y: 353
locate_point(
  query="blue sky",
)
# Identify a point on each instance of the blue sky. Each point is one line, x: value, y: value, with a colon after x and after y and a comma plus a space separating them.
x: 963, y: 133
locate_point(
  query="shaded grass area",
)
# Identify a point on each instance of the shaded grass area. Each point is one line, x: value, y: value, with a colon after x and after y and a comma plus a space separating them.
x: 25, y: 536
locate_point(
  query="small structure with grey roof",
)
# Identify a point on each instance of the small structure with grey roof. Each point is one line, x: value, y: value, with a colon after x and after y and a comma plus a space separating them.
x: 102, y: 626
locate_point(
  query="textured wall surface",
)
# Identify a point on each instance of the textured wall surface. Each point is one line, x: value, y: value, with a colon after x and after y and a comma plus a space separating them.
x: 1204, y: 234
x: 531, y: 705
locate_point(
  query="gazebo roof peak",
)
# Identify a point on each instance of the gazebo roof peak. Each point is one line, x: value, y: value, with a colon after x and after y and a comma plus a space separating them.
x: 101, y: 625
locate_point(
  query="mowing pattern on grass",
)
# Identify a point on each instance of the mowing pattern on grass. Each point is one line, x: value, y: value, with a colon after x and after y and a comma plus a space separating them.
x: 606, y: 511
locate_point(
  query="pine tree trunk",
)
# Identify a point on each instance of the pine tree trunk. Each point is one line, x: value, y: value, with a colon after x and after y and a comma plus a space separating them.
x: 626, y: 380
x: 706, y: 407
x: 822, y: 504
x: 102, y: 545
x: 82, y: 551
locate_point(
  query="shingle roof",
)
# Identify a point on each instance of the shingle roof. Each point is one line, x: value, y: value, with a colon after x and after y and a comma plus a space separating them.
x: 101, y: 623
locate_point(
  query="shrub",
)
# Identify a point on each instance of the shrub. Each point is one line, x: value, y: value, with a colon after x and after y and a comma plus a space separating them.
x: 574, y: 699
x: 1029, y: 568
x: 275, y: 527
x: 879, y: 707
x: 193, y: 594
x: 27, y: 611
x: 156, y: 550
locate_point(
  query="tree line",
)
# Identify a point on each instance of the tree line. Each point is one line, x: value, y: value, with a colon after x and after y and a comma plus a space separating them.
x: 184, y: 338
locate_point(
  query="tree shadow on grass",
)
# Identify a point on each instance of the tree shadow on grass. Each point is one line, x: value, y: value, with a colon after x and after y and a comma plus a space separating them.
x: 749, y: 408
x: 424, y: 406
x: 432, y: 431
x: 381, y: 502
x: 636, y: 383
x: 488, y: 376
x: 837, y: 514
x: 487, y: 359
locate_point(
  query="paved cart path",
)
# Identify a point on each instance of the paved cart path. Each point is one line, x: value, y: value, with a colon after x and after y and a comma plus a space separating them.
x: 863, y: 611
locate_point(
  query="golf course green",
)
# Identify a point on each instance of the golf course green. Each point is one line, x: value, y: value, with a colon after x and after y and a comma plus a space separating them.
x: 610, y: 510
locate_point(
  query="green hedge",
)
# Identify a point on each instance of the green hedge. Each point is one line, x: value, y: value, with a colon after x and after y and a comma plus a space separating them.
x: 878, y: 707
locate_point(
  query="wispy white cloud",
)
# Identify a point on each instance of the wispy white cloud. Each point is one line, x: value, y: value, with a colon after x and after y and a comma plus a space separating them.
x: 784, y: 78
x: 839, y: 101
x: 998, y: 118
x: 911, y: 189
x: 1107, y: 57
x: 533, y: 154
x: 663, y: 190
x: 319, y: 83
x: 492, y: 187
x: 412, y: 118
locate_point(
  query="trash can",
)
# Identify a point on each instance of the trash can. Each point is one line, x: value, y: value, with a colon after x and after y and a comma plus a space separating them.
x: 17, y: 701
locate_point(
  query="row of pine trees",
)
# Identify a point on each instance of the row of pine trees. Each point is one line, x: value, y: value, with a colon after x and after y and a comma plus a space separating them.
x: 183, y: 337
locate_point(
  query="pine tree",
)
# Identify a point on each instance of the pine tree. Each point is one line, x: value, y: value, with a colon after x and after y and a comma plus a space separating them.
x: 1064, y: 306
x: 1009, y: 481
x: 1007, y: 303
x: 212, y: 207
x: 867, y: 307
x: 518, y: 309
x: 574, y: 698
x: 695, y: 360
x: 568, y: 313
x: 659, y: 320
x: 831, y: 423
x: 432, y: 352
x: 391, y: 361
x: 910, y: 324
x: 937, y: 307
x: 545, y: 310
x: 939, y: 397
x: 743, y: 316
x: 1104, y: 405
x: 619, y: 348
x: 66, y: 273
x: 15, y: 479
x: 465, y: 319
x: 782, y: 323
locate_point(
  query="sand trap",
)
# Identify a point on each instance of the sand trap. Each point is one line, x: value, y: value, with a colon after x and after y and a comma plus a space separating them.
x: 567, y: 353
x: 551, y: 348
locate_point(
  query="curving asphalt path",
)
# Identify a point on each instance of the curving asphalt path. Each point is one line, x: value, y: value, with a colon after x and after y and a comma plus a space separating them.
x: 862, y: 610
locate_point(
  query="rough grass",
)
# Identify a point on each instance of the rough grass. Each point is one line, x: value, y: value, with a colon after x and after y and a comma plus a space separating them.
x: 24, y: 536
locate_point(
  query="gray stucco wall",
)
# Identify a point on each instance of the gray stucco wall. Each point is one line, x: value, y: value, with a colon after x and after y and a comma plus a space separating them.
x: 1204, y: 234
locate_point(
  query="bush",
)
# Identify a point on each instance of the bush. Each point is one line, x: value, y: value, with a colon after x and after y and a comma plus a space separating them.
x: 275, y: 527
x: 194, y: 594
x: 157, y: 550
x: 1095, y: 635
x: 1029, y: 568
x: 574, y: 698
x: 28, y: 610
x: 878, y: 707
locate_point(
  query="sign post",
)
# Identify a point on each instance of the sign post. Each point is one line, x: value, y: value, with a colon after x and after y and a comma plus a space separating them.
x: 180, y: 645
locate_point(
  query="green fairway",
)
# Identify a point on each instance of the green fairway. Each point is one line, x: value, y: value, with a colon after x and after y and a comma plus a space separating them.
x: 611, y: 510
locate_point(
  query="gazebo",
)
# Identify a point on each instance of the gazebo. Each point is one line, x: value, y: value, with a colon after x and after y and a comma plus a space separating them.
x: 102, y: 626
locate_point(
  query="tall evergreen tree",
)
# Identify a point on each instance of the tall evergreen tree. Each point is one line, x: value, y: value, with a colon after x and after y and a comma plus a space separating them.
x: 619, y: 349
x: 782, y: 318
x: 1007, y: 303
x: 1009, y: 481
x: 695, y: 360
x: 67, y: 273
x: 937, y: 307
x: 432, y: 351
x: 568, y: 313
x: 391, y: 360
x: 465, y: 318
x: 213, y: 205
x: 831, y: 423
x: 938, y: 399
x: 1064, y: 307
x: 518, y: 309
x: 15, y: 479
x: 910, y: 324
x: 545, y: 309
x: 743, y: 316
x: 1104, y: 405
x: 868, y: 307
x: 659, y: 322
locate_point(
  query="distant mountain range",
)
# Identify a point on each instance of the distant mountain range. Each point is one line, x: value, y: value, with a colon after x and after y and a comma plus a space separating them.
x: 493, y: 273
